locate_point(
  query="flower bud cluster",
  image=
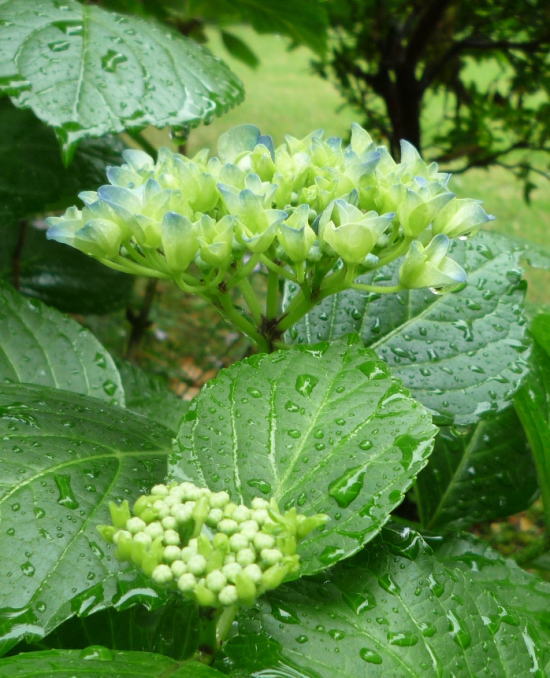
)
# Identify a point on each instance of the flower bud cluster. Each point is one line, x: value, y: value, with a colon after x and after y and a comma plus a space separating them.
x: 206, y: 546
x: 312, y: 203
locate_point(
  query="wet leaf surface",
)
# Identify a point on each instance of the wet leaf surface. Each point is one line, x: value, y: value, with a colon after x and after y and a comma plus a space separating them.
x: 400, y: 608
x: 42, y: 346
x: 477, y: 473
x: 86, y: 72
x: 462, y: 354
x: 98, y: 661
x: 63, y: 457
x: 325, y: 428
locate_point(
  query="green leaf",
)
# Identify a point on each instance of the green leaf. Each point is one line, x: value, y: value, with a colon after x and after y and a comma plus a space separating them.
x: 42, y: 346
x: 399, y: 609
x: 169, y: 630
x: 147, y: 394
x: 239, y: 49
x: 59, y: 275
x: 63, y: 457
x: 477, y: 473
x: 532, y: 404
x: 325, y: 428
x: 305, y: 22
x: 462, y: 354
x: 35, y: 179
x: 99, y: 662
x: 85, y: 71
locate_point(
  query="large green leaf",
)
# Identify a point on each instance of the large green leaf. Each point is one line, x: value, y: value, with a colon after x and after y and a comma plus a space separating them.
x: 63, y: 456
x: 478, y: 473
x: 100, y: 662
x: 34, y: 179
x: 170, y: 630
x: 149, y: 395
x: 533, y: 405
x: 462, y: 354
x: 85, y: 71
x: 59, y: 275
x: 42, y: 346
x: 325, y: 428
x: 398, y: 609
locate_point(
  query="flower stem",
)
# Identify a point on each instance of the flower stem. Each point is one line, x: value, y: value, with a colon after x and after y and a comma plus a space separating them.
x: 272, y: 300
x: 225, y: 620
x: 235, y: 316
x: 387, y: 289
x: 251, y: 299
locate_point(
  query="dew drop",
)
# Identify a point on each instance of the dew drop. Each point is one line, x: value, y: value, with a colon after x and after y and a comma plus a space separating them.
x: 305, y: 383
x: 109, y: 387
x: 346, y: 488
x: 459, y: 632
x: 66, y: 496
x: 27, y: 569
x: 97, y: 653
x: 111, y: 60
x: 259, y: 484
x: 402, y: 639
x: 370, y: 656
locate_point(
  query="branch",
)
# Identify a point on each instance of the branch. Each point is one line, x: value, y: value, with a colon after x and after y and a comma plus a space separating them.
x: 425, y: 26
x: 491, y: 158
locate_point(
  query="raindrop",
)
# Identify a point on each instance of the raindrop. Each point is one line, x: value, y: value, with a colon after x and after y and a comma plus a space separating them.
x: 331, y: 554
x: 259, y: 484
x: 458, y: 631
x: 302, y: 639
x: 360, y: 602
x: 253, y: 392
x: 27, y: 569
x: 336, y: 634
x: 305, y: 383
x: 388, y: 584
x: 111, y: 60
x: 402, y: 639
x: 100, y: 360
x: 66, y: 496
x: 283, y: 614
x: 59, y: 45
x: 374, y: 369
x: 346, y: 488
x: 109, y: 387
x: 98, y: 653
x: 294, y: 433
x: 370, y: 656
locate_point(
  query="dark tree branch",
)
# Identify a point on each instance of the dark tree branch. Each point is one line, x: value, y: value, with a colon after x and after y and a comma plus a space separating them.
x: 426, y: 25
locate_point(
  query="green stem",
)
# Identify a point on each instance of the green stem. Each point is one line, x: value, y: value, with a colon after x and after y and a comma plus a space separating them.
x: 297, y: 309
x: 387, y: 289
x: 142, y: 141
x: 272, y: 300
x: 251, y: 299
x: 226, y: 309
x: 272, y: 266
x: 533, y: 551
x: 393, y: 254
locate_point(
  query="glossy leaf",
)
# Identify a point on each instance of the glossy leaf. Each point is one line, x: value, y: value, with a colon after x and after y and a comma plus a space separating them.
x: 85, y: 71
x: 42, y: 346
x: 532, y: 404
x: 59, y: 275
x: 36, y: 179
x: 399, y: 609
x: 477, y: 473
x: 63, y: 457
x: 170, y: 630
x: 147, y: 394
x: 462, y: 354
x: 101, y: 662
x: 325, y: 428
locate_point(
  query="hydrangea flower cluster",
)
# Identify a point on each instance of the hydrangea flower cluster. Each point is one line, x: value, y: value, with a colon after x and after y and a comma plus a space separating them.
x: 313, y: 211
x: 209, y: 548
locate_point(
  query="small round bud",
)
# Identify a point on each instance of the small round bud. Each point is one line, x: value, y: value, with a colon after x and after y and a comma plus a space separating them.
x: 229, y: 509
x: 176, y: 491
x: 253, y: 571
x: 154, y: 530
x: 160, y: 490
x: 189, y: 491
x: 121, y: 534
x: 169, y: 523
x: 228, y: 595
x: 162, y: 574
x: 249, y: 528
x: 219, y: 499
x: 230, y: 558
x: 228, y: 526
x: 171, y: 537
x: 171, y: 500
x: 241, y: 513
x: 238, y: 542
x: 182, y: 512
x: 260, y: 516
x: 246, y: 557
x: 171, y: 553
x: 161, y: 509
x: 187, y: 552
x: 271, y: 556
x: 216, y: 580
x: 259, y: 503
x: 142, y: 538
x: 178, y: 567
x: 263, y: 541
x: 196, y: 564
x: 186, y: 582
x: 215, y: 515
x: 135, y: 525
x: 231, y: 570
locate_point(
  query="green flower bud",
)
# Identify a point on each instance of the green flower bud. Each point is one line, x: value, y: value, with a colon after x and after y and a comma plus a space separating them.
x: 417, y: 209
x: 135, y: 524
x: 171, y: 553
x: 171, y: 537
x: 253, y: 572
x: 187, y: 583
x: 178, y: 567
x: 196, y: 564
x: 179, y: 242
x: 107, y: 532
x: 215, y: 239
x: 460, y: 217
x: 155, y: 529
x: 162, y: 574
x: 120, y: 513
x: 296, y: 235
x: 215, y: 581
x: 204, y: 595
x: 246, y: 588
x: 429, y: 266
x: 246, y: 557
x: 228, y: 595
x: 271, y: 556
x: 349, y: 232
